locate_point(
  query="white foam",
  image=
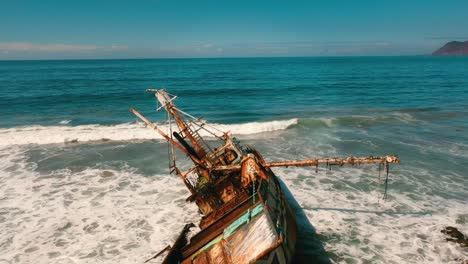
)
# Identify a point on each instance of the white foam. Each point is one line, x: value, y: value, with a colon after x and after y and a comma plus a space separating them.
x: 62, y: 134
x: 355, y: 224
x: 91, y: 216
x: 329, y: 121
x: 137, y: 215
x: 65, y: 121
x: 406, y: 117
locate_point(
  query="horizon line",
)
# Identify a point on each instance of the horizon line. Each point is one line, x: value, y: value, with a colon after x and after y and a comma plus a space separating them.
x: 227, y: 57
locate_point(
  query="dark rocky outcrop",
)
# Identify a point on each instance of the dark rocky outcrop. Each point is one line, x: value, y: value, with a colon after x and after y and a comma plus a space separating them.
x: 455, y: 236
x: 453, y: 48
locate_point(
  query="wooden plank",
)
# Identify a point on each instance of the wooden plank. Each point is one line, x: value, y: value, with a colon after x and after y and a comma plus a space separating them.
x: 209, y: 233
x: 226, y: 208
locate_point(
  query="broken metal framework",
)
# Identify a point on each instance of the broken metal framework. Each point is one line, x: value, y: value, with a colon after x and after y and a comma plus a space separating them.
x: 235, y: 191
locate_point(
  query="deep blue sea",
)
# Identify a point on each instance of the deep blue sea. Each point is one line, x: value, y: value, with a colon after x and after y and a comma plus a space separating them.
x: 81, y: 181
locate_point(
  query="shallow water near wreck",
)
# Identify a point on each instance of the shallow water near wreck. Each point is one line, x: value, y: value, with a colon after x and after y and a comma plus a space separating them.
x: 81, y: 182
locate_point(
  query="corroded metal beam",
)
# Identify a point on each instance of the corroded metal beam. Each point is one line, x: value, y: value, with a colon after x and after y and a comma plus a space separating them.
x: 321, y: 161
x: 335, y: 161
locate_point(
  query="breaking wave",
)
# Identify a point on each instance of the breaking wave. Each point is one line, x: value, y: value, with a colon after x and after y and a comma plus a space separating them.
x: 85, y: 216
x: 360, y: 121
x: 121, y: 132
x: 65, y: 122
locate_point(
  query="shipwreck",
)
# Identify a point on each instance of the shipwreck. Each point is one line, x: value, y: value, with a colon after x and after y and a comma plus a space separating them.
x: 246, y: 217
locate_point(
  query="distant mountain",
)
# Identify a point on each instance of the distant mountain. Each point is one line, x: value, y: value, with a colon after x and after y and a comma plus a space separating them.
x: 453, y: 48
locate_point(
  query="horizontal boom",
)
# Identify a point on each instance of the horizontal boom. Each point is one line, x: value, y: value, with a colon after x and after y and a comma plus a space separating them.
x: 321, y: 161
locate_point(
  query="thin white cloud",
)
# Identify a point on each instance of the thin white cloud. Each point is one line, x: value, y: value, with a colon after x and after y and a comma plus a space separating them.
x: 118, y: 47
x: 54, y: 47
x: 327, y: 48
x: 28, y: 46
x: 376, y: 47
x: 197, y: 47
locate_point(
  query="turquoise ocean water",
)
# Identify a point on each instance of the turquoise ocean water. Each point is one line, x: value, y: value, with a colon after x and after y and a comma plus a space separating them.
x: 82, y: 182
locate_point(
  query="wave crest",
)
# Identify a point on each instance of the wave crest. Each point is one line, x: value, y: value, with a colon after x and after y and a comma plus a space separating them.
x: 128, y: 131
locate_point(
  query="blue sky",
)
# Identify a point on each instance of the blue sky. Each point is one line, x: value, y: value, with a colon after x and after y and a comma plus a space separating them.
x: 48, y: 29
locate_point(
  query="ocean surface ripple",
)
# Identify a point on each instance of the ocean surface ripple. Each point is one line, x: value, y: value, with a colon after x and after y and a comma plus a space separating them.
x: 82, y: 182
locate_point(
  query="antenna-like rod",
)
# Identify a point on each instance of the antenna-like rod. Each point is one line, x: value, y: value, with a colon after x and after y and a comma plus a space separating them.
x: 168, y: 104
x: 156, y: 128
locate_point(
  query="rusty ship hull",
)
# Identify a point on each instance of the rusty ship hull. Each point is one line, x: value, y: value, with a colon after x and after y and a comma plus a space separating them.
x: 245, y: 215
x: 257, y: 227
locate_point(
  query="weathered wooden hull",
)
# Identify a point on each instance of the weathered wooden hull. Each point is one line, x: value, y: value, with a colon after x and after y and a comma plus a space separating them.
x: 258, y: 228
